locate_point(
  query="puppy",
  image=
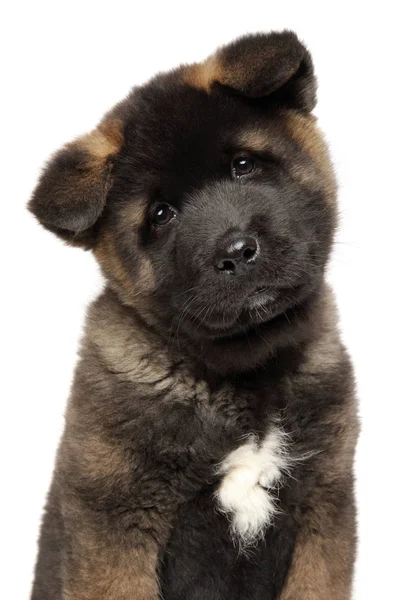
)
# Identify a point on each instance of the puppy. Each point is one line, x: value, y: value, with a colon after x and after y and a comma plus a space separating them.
x: 209, y: 438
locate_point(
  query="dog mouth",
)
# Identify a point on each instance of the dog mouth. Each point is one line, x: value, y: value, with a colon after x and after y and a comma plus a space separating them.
x: 262, y: 295
x: 261, y: 305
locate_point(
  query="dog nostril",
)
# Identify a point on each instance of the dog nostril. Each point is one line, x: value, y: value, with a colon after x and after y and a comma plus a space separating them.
x: 237, y: 253
x: 226, y: 265
x: 249, y: 253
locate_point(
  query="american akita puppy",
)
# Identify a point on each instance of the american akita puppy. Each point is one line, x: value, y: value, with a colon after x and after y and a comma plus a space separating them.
x: 210, y: 433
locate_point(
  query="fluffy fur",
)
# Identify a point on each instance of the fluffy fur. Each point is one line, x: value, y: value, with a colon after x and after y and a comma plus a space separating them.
x: 249, y: 472
x: 207, y: 197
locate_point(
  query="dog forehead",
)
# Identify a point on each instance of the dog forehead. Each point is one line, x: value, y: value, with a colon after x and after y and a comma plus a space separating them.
x: 174, y: 133
x: 179, y: 123
x: 166, y: 114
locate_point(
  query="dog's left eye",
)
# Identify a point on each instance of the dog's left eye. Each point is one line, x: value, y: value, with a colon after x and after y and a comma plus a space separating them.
x: 163, y: 214
x: 242, y: 165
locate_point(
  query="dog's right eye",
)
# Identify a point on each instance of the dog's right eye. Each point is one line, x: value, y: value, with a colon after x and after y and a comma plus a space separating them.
x: 242, y: 165
x: 163, y: 214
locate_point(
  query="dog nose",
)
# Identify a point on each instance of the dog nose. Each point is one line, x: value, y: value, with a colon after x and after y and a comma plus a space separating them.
x: 236, y: 253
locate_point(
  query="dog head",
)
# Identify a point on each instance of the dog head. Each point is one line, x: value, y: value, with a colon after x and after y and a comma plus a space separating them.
x: 207, y: 195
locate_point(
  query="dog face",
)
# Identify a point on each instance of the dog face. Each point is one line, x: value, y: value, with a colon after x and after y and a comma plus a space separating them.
x: 207, y: 195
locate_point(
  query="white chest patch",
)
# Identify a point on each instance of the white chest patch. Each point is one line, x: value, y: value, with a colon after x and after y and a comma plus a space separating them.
x: 250, y: 474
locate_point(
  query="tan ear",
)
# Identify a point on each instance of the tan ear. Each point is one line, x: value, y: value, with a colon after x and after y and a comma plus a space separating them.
x: 276, y: 66
x: 72, y: 190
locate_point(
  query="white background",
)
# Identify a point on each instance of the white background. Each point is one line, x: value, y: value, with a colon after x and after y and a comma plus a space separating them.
x: 63, y: 65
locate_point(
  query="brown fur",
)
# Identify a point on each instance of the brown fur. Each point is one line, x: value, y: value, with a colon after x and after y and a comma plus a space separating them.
x: 110, y: 261
x: 321, y: 568
x: 254, y: 139
x: 103, y: 142
x: 109, y: 257
x: 101, y: 460
x: 305, y: 131
x: 203, y: 75
x: 100, y: 569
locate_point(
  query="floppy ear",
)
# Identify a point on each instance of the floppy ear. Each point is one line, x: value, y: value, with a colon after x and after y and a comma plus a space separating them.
x: 274, y: 66
x: 72, y: 190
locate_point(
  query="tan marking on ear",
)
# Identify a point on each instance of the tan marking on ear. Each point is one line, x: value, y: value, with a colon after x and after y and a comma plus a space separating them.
x: 203, y: 75
x: 306, y: 133
x: 113, y: 130
x: 104, y: 141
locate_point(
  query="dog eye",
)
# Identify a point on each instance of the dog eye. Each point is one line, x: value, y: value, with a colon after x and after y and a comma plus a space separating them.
x: 242, y: 165
x: 163, y: 214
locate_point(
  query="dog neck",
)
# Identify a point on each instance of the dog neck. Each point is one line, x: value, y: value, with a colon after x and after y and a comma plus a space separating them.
x: 127, y: 339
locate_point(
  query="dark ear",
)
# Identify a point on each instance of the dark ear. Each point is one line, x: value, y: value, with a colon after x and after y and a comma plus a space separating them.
x: 72, y: 190
x: 276, y: 66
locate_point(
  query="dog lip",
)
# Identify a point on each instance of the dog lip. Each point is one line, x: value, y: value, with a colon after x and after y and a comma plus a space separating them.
x: 263, y: 294
x: 261, y: 290
x: 262, y: 297
x: 258, y: 290
x: 268, y: 297
x: 275, y: 290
